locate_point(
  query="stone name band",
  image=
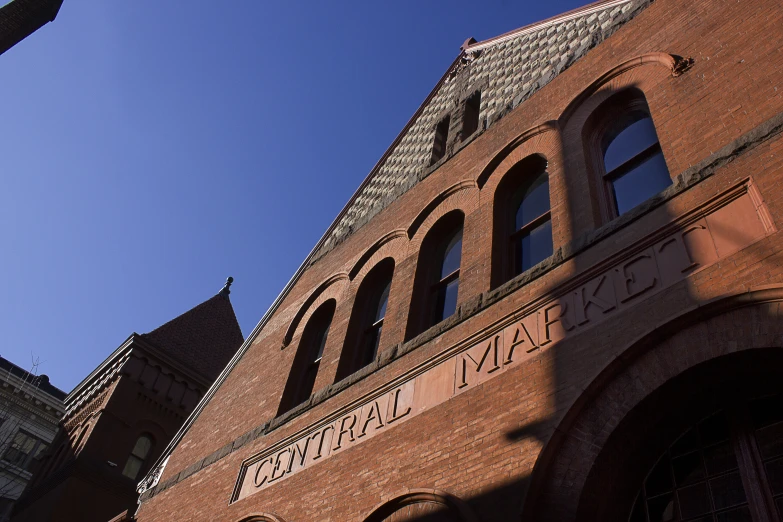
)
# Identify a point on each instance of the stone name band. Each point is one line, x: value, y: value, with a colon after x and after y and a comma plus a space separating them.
x: 723, y: 226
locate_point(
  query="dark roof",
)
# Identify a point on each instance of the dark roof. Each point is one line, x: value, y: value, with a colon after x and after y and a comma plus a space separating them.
x: 37, y: 381
x: 203, y: 339
x: 21, y: 18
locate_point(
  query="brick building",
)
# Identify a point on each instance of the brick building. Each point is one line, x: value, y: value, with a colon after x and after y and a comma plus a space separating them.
x: 556, y: 297
x: 119, y: 419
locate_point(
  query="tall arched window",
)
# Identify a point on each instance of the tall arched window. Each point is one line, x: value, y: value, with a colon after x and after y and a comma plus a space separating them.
x: 367, y: 318
x: 522, y: 220
x: 308, y: 357
x: 138, y: 455
x: 437, y: 275
x: 632, y: 163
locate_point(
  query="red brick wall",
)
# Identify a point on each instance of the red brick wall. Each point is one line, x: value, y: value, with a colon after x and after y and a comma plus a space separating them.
x: 463, y: 446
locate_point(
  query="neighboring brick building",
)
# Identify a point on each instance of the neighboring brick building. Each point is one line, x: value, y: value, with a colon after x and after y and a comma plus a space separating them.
x: 119, y: 419
x: 592, y: 204
x: 30, y: 409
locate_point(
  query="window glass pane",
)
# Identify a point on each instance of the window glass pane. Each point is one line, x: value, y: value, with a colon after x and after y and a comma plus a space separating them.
x: 694, y: 500
x: 734, y: 515
x: 639, y: 184
x: 661, y: 508
x: 720, y: 458
x: 452, y: 255
x: 534, y: 201
x: 727, y: 490
x: 321, y: 340
x: 142, y: 446
x: 660, y: 478
x: 132, y: 467
x: 534, y: 247
x: 447, y: 300
x: 631, y: 141
x: 372, y: 339
x: 688, y: 469
x: 775, y: 476
x: 384, y: 300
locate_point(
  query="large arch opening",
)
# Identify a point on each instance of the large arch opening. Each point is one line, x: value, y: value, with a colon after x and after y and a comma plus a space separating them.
x: 706, y: 446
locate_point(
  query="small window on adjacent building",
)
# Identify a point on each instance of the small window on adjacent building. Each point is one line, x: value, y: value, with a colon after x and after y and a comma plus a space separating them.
x: 470, y: 118
x: 137, y: 457
x: 366, y: 324
x: 308, y: 358
x: 25, y: 450
x: 441, y: 138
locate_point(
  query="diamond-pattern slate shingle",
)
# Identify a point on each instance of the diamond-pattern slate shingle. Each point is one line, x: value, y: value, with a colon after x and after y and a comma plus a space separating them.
x: 511, y: 68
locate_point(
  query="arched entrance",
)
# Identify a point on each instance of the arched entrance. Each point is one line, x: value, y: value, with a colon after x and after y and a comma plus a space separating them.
x: 707, y: 446
x: 705, y: 386
x: 423, y: 505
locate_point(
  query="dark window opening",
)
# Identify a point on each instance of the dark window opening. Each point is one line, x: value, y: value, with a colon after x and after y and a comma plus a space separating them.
x: 470, y: 119
x: 628, y: 153
x: 446, y: 288
x: 441, y: 138
x: 522, y: 231
x: 436, y: 285
x: 137, y: 457
x: 25, y: 451
x: 705, y: 473
x: 301, y: 380
x: 367, y: 320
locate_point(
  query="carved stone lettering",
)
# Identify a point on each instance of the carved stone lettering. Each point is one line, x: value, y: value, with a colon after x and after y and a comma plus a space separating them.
x: 636, y: 277
x: 298, y: 454
x: 489, y: 360
x: 520, y: 336
x: 319, y: 436
x: 262, y: 473
x: 346, y: 428
x: 552, y: 315
x: 594, y: 294
x: 279, y: 465
x: 373, y: 416
x: 399, y: 404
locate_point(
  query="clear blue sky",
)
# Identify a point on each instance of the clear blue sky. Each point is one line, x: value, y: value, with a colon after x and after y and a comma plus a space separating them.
x: 148, y: 150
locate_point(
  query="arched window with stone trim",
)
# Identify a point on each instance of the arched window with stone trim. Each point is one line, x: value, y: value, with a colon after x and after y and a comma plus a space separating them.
x: 367, y: 319
x: 307, y: 360
x: 626, y: 153
x: 436, y: 285
x: 522, y: 222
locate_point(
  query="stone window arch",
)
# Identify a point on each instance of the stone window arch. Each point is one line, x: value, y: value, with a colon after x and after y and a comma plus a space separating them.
x: 363, y: 339
x: 424, y: 505
x: 436, y: 284
x: 522, y: 221
x: 307, y: 360
x: 624, y: 153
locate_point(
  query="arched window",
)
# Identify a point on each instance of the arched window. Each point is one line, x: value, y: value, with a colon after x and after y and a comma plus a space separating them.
x: 367, y: 318
x: 137, y: 457
x: 522, y: 220
x: 728, y: 467
x: 436, y: 286
x: 632, y: 163
x: 308, y: 357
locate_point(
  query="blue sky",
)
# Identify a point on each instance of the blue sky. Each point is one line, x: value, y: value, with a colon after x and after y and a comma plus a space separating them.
x: 148, y: 150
